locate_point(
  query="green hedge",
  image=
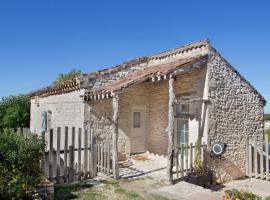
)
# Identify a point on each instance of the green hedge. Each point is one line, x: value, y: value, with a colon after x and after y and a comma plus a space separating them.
x: 20, y: 170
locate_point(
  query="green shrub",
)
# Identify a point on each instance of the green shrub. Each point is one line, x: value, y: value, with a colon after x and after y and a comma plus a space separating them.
x: 14, y: 112
x: 236, y: 194
x: 20, y: 170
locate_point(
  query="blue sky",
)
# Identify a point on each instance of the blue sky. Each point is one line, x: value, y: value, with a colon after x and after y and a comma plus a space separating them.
x: 40, y: 39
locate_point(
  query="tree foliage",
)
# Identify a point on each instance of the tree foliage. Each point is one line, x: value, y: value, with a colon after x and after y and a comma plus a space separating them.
x: 20, y: 169
x: 64, y: 77
x: 14, y: 112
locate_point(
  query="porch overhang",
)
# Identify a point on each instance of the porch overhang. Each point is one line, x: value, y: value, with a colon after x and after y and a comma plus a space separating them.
x: 153, y: 74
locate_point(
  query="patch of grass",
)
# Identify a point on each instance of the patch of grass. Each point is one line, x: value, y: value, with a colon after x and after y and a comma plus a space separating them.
x: 68, y: 191
x: 156, y: 197
x: 132, y: 195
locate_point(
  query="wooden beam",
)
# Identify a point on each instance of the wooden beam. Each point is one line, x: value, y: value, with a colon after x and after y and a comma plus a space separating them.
x: 115, y: 136
x: 170, y: 130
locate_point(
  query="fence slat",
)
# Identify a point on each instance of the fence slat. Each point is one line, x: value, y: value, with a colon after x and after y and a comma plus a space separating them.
x: 186, y: 158
x: 261, y: 156
x: 102, y: 154
x: 108, y: 161
x: 191, y: 157
x: 79, y: 154
x: 182, y: 160
x: 247, y: 156
x: 85, y: 152
x: 65, y: 153
x: 58, y: 155
x: 51, y: 155
x: 267, y: 158
x: 177, y: 160
x: 250, y: 157
x: 255, y: 158
x: 71, y: 164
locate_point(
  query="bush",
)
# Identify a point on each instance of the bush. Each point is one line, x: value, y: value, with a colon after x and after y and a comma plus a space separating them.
x: 20, y: 169
x: 241, y: 195
x: 14, y: 112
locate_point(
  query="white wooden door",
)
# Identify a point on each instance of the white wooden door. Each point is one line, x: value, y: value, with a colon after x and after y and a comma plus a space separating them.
x: 138, y: 129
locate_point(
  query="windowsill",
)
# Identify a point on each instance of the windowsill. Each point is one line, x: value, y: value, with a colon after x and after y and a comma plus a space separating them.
x: 184, y: 116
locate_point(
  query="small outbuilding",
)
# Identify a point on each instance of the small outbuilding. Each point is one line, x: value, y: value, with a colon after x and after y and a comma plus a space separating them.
x: 155, y: 102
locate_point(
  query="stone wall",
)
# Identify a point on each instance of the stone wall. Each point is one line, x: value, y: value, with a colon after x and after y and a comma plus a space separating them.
x: 235, y: 110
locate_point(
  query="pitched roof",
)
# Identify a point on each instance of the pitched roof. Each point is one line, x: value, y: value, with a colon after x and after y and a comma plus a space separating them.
x: 77, y: 83
x: 144, y: 74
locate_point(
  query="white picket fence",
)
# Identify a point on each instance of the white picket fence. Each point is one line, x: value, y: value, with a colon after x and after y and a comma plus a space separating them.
x: 257, y: 157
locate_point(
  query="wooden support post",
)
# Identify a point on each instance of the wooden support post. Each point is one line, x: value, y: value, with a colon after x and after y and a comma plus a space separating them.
x: 115, y: 136
x: 170, y: 130
x: 79, y: 153
x: 51, y: 155
x: 58, y: 155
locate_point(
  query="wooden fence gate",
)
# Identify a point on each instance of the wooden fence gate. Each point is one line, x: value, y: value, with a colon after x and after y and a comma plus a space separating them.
x: 71, y: 155
x: 257, y: 157
x: 184, y: 156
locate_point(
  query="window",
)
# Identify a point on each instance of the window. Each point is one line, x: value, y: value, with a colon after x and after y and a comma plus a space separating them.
x: 136, y: 119
x: 182, y: 109
x: 182, y: 131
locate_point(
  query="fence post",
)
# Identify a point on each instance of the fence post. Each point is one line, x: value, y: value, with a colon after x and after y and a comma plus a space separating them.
x: 191, y: 157
x: 267, y: 158
x: 182, y: 160
x: 247, y: 156
x: 58, y: 155
x: 85, y: 151
x: 71, y: 164
x: 261, y: 156
x: 91, y: 162
x: 255, y: 157
x: 79, y: 153
x: 51, y: 155
x: 65, y: 153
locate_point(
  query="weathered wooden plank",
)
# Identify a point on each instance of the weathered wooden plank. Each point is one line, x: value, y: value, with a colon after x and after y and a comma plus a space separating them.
x: 267, y: 176
x: 58, y: 146
x: 191, y: 157
x: 261, y: 156
x: 255, y: 157
x: 79, y: 153
x: 102, y: 154
x: 170, y: 130
x: 247, y: 156
x: 51, y: 154
x: 177, y: 161
x: 65, y: 153
x: 108, y: 161
x: 98, y: 156
x: 182, y: 160
x: 115, y: 136
x: 71, y: 164
x: 92, y: 152
x: 186, y: 159
x: 250, y: 170
x: 85, y: 152
x: 73, y: 137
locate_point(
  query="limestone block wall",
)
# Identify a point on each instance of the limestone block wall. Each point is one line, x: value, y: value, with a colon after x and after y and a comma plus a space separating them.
x: 235, y: 110
x: 67, y: 110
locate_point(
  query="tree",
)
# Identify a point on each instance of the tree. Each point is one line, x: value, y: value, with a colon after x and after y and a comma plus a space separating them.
x: 14, y: 112
x: 64, y: 77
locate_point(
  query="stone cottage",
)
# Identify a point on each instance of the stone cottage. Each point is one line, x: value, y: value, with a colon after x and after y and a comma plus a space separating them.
x: 154, y: 102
